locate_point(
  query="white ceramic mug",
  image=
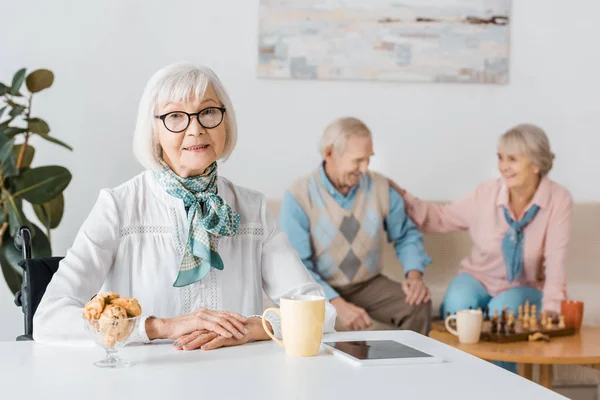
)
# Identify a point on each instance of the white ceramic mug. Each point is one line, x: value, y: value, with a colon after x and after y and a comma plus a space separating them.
x: 468, y: 325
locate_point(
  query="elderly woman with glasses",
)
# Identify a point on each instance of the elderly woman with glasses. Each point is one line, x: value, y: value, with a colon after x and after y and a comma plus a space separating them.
x: 195, y: 250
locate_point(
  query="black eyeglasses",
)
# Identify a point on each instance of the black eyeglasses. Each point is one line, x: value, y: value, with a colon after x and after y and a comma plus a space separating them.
x: 178, y: 121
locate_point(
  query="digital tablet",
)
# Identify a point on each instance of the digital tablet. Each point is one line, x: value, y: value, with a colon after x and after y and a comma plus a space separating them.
x: 379, y: 352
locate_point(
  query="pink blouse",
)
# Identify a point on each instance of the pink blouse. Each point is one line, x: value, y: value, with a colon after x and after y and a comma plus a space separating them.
x: 546, y: 238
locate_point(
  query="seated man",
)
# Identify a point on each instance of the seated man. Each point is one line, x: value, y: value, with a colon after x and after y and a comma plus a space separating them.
x: 337, y: 219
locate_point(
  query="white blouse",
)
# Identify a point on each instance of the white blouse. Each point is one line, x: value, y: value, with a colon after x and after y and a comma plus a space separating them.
x: 132, y: 243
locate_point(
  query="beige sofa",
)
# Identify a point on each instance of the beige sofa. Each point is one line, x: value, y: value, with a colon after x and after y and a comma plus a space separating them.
x: 583, y: 271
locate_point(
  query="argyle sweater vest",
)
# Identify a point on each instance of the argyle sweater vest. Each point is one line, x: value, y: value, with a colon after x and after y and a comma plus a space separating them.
x: 346, y: 244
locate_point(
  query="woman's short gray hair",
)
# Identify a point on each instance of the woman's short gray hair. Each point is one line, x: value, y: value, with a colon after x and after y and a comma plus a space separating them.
x: 531, y: 141
x: 177, y: 82
x: 337, y: 133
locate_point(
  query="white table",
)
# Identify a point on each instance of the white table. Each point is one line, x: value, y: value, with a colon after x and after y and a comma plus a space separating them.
x: 253, y: 371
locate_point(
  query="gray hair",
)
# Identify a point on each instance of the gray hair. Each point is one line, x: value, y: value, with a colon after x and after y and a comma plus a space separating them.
x: 177, y: 82
x: 531, y: 141
x: 339, y: 131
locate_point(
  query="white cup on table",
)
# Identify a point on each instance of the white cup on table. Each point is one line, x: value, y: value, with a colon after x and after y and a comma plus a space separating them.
x: 468, y: 325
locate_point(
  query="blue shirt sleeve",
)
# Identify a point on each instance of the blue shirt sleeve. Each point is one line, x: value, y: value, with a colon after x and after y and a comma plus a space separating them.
x: 295, y: 223
x: 406, y: 237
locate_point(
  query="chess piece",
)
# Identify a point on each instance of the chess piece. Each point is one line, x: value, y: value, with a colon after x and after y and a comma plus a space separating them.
x: 511, y: 318
x: 534, y: 310
x: 486, y: 314
x: 538, y: 336
x: 549, y: 323
x: 544, y: 315
x: 561, y: 322
x: 496, y: 313
x: 494, y: 327
x: 502, y: 327
x: 511, y: 327
x: 525, y: 323
x: 520, y: 312
x: 533, y: 323
x: 527, y: 309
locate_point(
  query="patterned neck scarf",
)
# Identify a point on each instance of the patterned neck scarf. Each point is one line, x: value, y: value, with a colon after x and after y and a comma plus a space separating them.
x: 208, y: 218
x: 512, y: 244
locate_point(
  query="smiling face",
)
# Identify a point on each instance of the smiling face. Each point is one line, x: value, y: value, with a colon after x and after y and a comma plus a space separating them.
x: 517, y: 169
x: 345, y: 168
x: 190, y: 152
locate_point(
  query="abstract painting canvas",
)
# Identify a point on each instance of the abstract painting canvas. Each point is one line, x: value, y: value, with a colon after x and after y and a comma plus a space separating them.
x: 385, y: 40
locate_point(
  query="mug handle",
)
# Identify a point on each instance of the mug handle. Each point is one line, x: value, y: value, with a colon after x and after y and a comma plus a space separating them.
x: 264, y: 324
x: 447, y: 323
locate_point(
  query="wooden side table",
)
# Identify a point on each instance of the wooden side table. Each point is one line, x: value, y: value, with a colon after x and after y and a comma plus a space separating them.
x: 582, y: 348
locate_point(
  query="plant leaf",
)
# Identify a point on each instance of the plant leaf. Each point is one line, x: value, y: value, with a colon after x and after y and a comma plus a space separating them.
x: 5, y: 123
x: 51, y: 213
x: 11, y: 131
x: 13, y: 104
x: 38, y: 125
x: 42, y: 184
x: 12, y: 278
x: 55, y: 140
x: 6, y: 146
x: 9, y: 167
x: 3, y: 89
x: 17, y: 82
x: 15, y: 112
x: 27, y: 158
x: 2, y: 110
x: 39, y: 80
x: 16, y: 218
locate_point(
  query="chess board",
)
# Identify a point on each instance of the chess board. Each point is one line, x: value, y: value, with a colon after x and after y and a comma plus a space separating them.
x: 508, y: 329
x: 520, y: 334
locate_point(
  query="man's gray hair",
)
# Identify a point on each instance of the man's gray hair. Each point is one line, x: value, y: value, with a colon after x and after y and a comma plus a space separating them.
x: 337, y: 133
x: 174, y: 83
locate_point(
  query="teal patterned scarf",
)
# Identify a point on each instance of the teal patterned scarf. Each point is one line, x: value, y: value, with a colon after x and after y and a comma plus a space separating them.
x: 512, y: 244
x: 208, y: 218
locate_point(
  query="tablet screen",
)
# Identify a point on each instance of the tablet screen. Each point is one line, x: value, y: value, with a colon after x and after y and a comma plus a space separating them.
x: 377, y: 349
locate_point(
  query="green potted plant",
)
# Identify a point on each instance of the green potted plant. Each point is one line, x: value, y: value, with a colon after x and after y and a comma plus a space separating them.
x: 42, y: 187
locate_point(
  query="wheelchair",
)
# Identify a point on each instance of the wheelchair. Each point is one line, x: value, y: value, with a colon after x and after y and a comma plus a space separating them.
x: 37, y: 274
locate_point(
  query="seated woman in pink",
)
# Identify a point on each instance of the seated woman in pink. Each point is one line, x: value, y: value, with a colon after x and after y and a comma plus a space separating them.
x: 520, y: 226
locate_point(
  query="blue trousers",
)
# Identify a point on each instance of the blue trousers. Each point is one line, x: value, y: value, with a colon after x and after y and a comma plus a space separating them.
x: 465, y: 291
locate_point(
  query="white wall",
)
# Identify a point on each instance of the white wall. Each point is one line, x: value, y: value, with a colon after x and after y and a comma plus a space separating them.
x: 438, y: 140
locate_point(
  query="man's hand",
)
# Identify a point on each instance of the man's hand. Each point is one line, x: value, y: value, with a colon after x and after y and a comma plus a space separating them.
x: 415, y: 289
x: 351, y: 316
